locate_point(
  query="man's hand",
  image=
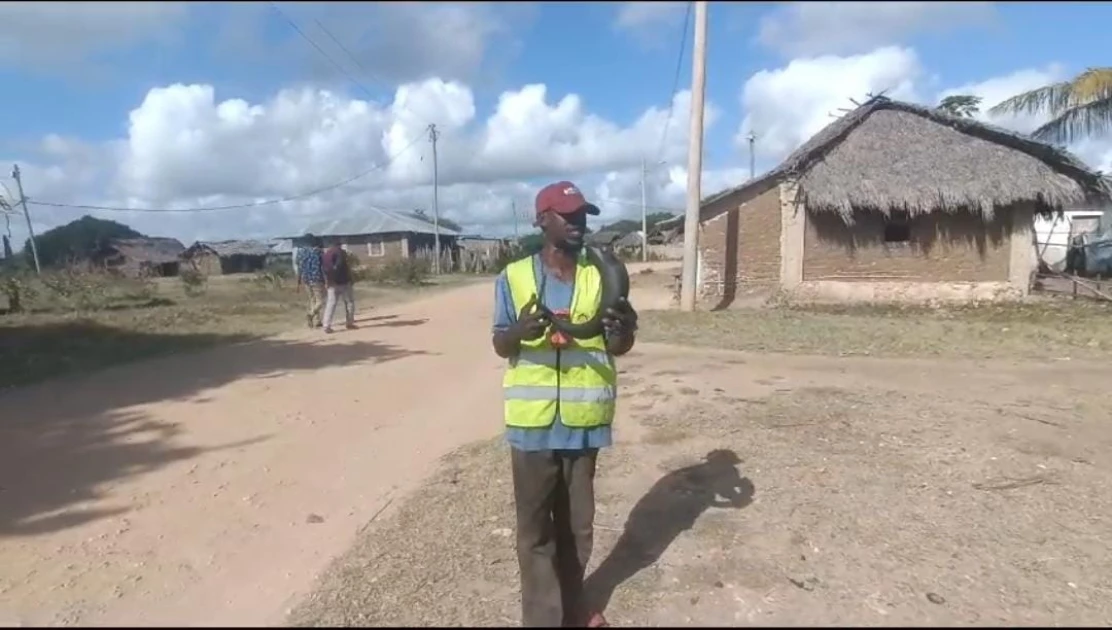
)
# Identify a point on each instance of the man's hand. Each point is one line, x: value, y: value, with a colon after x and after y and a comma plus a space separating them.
x: 620, y: 320
x: 530, y: 324
x: 620, y: 323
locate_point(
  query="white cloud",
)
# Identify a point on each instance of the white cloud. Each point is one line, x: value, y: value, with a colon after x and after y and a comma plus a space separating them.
x: 644, y: 18
x: 1096, y: 151
x: 381, y: 44
x: 818, y: 28
x: 185, y: 147
x: 67, y: 35
x: 786, y: 106
x: 998, y: 89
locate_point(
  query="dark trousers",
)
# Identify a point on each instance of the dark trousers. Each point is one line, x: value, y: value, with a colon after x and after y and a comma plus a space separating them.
x: 554, y: 492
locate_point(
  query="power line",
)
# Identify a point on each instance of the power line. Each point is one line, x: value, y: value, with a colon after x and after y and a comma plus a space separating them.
x: 312, y: 43
x: 348, y: 52
x: 239, y: 206
x: 675, y: 81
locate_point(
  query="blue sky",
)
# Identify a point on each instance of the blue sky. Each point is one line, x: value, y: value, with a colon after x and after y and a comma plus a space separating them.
x: 80, y: 79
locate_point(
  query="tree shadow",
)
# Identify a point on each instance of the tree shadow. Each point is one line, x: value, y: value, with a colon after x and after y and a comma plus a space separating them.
x: 667, y: 510
x: 63, y: 441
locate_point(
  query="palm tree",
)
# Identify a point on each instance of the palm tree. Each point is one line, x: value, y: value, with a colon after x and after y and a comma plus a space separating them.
x: 960, y: 105
x: 1080, y: 107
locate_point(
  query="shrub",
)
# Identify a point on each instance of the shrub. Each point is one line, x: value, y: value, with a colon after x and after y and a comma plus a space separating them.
x: 271, y: 279
x: 18, y: 288
x: 410, y: 271
x: 193, y: 282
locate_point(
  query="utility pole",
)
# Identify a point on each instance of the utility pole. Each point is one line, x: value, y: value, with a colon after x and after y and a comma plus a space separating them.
x: 644, y: 214
x: 26, y: 215
x: 694, y: 161
x: 752, y: 138
x: 513, y: 209
x: 433, y: 135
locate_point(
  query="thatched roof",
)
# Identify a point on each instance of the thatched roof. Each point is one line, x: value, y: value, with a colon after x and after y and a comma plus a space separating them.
x: 605, y: 238
x: 154, y: 250
x: 224, y: 249
x: 888, y: 155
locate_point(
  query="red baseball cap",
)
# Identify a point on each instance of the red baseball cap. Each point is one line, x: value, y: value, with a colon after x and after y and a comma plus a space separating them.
x: 563, y: 198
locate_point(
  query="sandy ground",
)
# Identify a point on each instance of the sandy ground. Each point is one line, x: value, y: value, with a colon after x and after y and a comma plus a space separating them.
x: 212, y: 488
x: 215, y: 488
x: 749, y: 489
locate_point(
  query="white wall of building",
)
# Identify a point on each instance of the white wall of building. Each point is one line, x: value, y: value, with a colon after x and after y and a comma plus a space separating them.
x: 1052, y: 236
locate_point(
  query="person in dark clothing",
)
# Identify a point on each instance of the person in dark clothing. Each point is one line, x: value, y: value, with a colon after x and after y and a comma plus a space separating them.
x: 338, y: 280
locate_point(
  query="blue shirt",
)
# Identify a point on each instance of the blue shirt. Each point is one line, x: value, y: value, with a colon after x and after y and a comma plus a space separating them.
x: 309, y: 266
x: 557, y: 295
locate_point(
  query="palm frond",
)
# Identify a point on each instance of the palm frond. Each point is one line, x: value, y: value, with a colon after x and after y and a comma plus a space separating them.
x: 1050, y: 98
x: 1081, y: 121
x: 1093, y: 85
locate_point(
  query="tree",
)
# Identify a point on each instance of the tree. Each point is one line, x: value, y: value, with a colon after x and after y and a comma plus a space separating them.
x: 625, y: 226
x: 76, y: 240
x: 531, y: 243
x: 960, y: 105
x: 1079, y: 108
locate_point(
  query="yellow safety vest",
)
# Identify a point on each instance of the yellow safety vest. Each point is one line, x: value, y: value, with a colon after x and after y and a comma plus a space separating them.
x: 580, y: 381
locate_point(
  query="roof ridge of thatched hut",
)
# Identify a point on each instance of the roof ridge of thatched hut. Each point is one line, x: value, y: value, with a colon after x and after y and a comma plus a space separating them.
x: 886, y: 155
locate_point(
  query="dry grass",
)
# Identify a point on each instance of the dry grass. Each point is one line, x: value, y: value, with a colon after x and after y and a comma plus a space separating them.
x: 93, y: 322
x: 1046, y: 329
x: 866, y: 496
x: 445, y: 558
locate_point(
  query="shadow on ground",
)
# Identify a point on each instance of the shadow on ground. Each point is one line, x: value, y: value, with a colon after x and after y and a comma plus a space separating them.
x: 667, y: 510
x: 63, y: 440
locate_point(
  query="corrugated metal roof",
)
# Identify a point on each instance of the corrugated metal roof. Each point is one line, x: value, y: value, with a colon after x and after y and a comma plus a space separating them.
x: 235, y: 248
x: 280, y: 246
x: 373, y: 221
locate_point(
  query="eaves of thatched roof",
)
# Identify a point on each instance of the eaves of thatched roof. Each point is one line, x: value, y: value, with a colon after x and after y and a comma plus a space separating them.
x: 888, y: 155
x: 154, y: 250
x: 224, y: 249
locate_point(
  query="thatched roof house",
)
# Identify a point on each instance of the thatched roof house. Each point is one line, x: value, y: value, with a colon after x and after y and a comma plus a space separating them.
x: 145, y: 256
x: 225, y: 257
x: 892, y: 201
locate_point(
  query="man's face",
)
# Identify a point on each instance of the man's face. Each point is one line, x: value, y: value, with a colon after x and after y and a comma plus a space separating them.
x: 565, y: 230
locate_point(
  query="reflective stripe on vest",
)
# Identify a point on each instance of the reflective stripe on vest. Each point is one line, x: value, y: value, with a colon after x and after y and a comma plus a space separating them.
x: 578, y: 382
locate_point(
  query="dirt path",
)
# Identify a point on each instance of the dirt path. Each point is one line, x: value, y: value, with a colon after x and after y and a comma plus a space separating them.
x: 751, y: 489
x: 213, y: 488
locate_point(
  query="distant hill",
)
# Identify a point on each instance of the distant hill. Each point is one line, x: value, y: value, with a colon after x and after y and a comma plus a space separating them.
x: 625, y: 226
x: 76, y: 240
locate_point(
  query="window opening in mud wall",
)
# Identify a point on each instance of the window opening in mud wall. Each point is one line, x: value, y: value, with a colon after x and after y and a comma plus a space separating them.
x: 897, y: 227
x: 376, y: 248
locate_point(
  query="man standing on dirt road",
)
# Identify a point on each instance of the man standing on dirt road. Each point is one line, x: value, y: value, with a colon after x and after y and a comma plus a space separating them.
x: 310, y: 272
x: 338, y: 280
x: 559, y: 403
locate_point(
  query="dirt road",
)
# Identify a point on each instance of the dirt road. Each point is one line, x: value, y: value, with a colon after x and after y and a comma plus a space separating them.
x: 212, y: 488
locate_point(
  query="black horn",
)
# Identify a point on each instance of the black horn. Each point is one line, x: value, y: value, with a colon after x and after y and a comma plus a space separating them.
x: 615, y: 287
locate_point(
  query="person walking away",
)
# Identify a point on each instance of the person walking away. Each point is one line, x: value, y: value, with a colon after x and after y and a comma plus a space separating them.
x: 311, y: 274
x: 560, y: 396
x: 337, y: 277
